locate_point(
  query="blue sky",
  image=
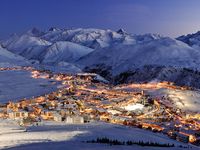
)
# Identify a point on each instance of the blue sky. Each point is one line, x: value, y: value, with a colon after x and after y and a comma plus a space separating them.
x: 167, y: 17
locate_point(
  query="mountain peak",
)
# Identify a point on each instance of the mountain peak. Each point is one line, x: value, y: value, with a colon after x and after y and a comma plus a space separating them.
x: 34, y: 32
x: 54, y: 29
x: 121, y: 31
x: 191, y: 39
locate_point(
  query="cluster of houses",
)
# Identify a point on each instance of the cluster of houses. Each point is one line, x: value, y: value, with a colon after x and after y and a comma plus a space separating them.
x: 66, y: 112
x: 83, y: 99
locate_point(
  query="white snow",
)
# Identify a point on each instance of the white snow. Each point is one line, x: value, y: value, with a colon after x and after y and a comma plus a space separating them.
x: 101, y: 79
x: 23, y: 42
x: 157, y: 52
x: 8, y: 59
x: 15, y: 85
x: 55, y: 136
x: 132, y: 107
x: 93, y: 38
x: 65, y: 51
x: 186, y: 100
x: 192, y: 40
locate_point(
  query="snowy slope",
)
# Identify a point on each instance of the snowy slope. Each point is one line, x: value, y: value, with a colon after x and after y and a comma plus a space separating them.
x: 29, y: 45
x: 162, y: 51
x: 93, y: 38
x: 16, y: 85
x: 18, y: 44
x: 9, y: 59
x: 191, y: 39
x: 56, y: 136
x: 46, y: 47
x: 150, y: 57
x: 185, y: 100
x: 64, y: 51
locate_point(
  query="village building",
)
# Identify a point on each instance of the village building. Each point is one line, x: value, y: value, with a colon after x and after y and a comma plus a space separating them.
x: 18, y: 114
x: 74, y: 120
x: 57, y: 117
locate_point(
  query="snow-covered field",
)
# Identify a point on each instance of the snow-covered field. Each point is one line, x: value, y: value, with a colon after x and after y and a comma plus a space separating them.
x: 15, y: 85
x: 60, y: 136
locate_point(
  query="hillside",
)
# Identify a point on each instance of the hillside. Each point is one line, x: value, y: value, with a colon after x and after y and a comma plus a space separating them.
x: 9, y: 59
x: 192, y: 40
x: 164, y: 59
x: 64, y: 51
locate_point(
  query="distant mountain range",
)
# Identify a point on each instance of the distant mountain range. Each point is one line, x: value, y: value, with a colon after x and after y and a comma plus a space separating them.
x: 117, y: 55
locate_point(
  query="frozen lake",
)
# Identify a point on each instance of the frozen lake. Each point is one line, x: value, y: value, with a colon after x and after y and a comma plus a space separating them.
x: 15, y: 85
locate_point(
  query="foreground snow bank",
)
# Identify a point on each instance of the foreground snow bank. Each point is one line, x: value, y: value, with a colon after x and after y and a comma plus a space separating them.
x: 59, y: 136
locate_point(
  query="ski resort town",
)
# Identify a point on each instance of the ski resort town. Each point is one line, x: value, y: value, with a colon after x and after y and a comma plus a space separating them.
x: 86, y: 97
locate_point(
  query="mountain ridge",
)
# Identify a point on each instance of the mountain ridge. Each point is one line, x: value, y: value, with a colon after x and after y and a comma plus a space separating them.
x: 109, y: 53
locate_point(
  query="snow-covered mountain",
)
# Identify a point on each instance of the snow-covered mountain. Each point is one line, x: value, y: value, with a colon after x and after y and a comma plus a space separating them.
x: 159, y: 51
x: 64, y: 51
x: 151, y: 57
x: 93, y: 38
x: 67, y: 44
x: 46, y: 47
x: 63, y: 45
x: 192, y: 40
x: 19, y: 44
x: 9, y: 59
x: 113, y: 54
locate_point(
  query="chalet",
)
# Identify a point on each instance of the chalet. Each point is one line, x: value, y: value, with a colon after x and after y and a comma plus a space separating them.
x: 18, y: 114
x: 87, y: 119
x: 57, y: 117
x: 101, y: 111
x: 65, y: 112
x: 2, y: 114
x: 47, y: 115
x: 68, y: 120
x: 74, y: 120
x: 118, y: 119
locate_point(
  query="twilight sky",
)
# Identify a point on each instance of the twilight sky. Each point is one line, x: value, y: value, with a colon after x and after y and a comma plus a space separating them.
x: 167, y: 17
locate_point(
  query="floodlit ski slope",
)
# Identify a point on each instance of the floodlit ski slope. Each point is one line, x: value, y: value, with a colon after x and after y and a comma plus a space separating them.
x: 186, y: 100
